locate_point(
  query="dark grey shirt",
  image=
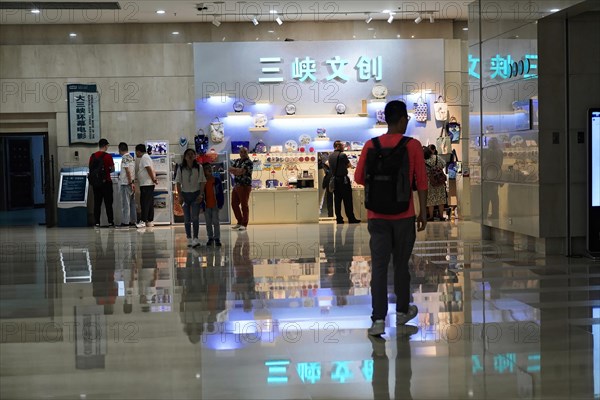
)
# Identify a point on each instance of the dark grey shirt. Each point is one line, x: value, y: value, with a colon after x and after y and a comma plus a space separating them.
x: 342, y: 169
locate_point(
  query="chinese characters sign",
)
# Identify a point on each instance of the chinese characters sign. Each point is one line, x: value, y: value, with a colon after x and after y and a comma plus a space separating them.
x: 84, y: 114
x: 505, y: 67
x: 306, y: 69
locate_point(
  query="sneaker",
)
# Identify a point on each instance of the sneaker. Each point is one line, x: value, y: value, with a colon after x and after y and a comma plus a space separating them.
x: 237, y: 226
x: 402, y: 318
x: 149, y: 224
x: 377, y: 329
x: 195, y: 242
x: 210, y: 242
x: 378, y: 344
x: 140, y: 225
x: 217, y: 243
x: 242, y: 228
x: 190, y: 243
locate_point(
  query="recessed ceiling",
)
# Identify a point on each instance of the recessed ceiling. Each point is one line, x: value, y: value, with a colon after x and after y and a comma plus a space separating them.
x: 245, y: 11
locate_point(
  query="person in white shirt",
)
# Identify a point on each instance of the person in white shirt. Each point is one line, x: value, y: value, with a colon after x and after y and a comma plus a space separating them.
x: 146, y: 179
x: 127, y: 187
x: 190, y: 186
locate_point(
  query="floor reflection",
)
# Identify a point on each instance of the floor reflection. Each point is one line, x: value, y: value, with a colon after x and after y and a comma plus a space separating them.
x: 282, y: 312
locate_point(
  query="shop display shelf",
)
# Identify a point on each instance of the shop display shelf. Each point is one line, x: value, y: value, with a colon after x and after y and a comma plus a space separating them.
x: 239, y: 114
x: 360, y: 115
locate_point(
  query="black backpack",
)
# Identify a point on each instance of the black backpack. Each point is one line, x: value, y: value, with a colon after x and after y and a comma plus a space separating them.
x: 387, y: 182
x: 97, y: 174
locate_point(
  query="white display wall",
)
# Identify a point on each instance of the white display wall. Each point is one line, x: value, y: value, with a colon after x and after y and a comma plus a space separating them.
x: 315, y: 77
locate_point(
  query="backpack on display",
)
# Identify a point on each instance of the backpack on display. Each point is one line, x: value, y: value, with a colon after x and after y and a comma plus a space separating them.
x: 387, y: 182
x: 97, y: 174
x: 436, y: 175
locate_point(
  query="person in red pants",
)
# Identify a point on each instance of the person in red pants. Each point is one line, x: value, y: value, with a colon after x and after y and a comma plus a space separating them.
x: 241, y: 169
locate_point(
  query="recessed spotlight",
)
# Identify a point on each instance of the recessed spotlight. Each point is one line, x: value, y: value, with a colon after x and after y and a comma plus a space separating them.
x: 73, y: 34
x: 160, y: 11
x: 413, y: 36
x: 175, y: 33
x: 271, y: 31
x: 273, y: 11
x: 398, y: 36
x: 465, y: 29
x: 370, y: 29
x: 555, y: 10
x: 35, y: 11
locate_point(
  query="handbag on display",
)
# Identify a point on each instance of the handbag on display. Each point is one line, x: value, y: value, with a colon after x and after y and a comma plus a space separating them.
x: 453, y: 167
x: 260, y: 147
x: 443, y: 143
x: 421, y: 110
x: 440, y: 108
x: 217, y: 131
x: 453, y: 128
x: 201, y: 142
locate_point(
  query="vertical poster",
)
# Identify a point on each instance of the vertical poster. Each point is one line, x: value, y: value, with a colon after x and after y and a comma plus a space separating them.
x: 84, y: 113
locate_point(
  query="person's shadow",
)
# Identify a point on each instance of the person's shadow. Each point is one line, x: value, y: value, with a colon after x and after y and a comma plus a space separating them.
x: 104, y: 287
x: 342, y: 261
x: 381, y: 365
x: 243, y: 284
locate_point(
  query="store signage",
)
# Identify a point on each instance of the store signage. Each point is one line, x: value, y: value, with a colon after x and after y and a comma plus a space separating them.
x: 500, y: 67
x: 84, y: 113
x: 506, y: 363
x: 306, y: 69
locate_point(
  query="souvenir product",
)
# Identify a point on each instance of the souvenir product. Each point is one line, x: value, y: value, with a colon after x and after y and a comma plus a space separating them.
x: 260, y: 120
x: 290, y: 109
x: 183, y: 143
x: 441, y: 109
x: 200, y: 142
x: 291, y: 145
x: 421, y: 110
x: 453, y: 128
x: 217, y: 131
x: 379, y: 91
x: 238, y: 106
x: 380, y: 115
x: 304, y: 139
x: 340, y: 108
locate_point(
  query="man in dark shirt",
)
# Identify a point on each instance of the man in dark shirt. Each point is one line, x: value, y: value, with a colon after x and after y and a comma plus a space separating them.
x: 339, y: 163
x: 241, y: 169
x: 103, y: 192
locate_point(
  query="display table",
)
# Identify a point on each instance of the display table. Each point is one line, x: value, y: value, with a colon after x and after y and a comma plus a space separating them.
x: 283, y: 206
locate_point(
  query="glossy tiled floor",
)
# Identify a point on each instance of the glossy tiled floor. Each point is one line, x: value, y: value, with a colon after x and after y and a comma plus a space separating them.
x: 280, y: 312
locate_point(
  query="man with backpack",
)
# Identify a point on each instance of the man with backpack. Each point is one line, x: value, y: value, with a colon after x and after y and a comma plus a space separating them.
x: 390, y: 166
x: 101, y: 165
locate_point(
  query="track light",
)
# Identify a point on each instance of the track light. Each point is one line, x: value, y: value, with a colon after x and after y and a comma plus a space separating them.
x: 216, y: 22
x: 431, y: 20
x: 418, y: 20
x: 255, y: 21
x: 279, y: 20
x: 369, y: 18
x: 391, y: 18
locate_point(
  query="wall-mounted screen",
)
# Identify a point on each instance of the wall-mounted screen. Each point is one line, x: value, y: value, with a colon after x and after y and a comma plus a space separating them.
x: 593, y: 231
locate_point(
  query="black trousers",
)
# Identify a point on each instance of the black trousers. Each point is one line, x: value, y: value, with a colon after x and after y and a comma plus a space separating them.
x: 390, y: 238
x: 103, y: 193
x: 147, y: 203
x: 343, y: 192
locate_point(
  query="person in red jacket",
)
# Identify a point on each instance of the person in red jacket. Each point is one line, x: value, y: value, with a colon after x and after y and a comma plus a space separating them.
x: 394, y: 234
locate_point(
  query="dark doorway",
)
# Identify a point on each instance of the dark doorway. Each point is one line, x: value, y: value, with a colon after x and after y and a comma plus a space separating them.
x: 24, y: 179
